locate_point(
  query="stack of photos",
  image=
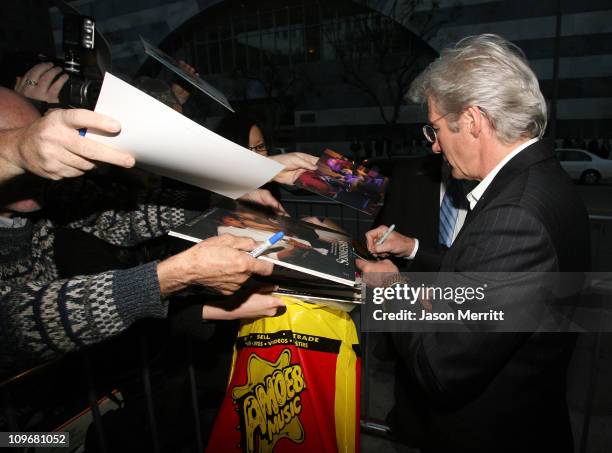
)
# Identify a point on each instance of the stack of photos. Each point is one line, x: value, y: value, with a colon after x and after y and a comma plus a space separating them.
x: 308, y: 248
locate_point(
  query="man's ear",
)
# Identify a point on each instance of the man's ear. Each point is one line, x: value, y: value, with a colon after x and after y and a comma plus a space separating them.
x: 475, y: 120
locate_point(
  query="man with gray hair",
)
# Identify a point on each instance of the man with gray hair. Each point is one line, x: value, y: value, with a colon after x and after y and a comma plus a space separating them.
x: 484, y: 392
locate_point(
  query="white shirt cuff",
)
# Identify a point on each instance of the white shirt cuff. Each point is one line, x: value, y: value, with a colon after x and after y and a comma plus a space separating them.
x: 414, y: 250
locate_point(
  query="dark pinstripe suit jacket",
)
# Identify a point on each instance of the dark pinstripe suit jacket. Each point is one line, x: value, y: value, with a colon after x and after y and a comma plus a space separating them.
x: 497, y: 392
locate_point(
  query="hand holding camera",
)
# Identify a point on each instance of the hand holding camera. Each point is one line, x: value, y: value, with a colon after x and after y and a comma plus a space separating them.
x: 42, y: 83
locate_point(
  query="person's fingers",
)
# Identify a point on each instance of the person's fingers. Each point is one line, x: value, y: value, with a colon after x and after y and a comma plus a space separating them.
x: 268, y: 305
x: 58, y: 172
x: 57, y: 86
x: 89, y: 149
x: 362, y: 265
x: 298, y: 173
x: 187, y: 67
x: 95, y: 151
x: 273, y: 304
x: 237, y: 242
x: 262, y: 267
x: 314, y: 220
x: 371, y: 238
x: 269, y: 200
x: 380, y: 229
x: 281, y: 210
x: 47, y: 77
x: 370, y: 242
x: 61, y: 163
x: 371, y: 246
x: 276, y: 302
x: 82, y: 118
x: 72, y: 160
x: 36, y: 71
x: 225, y: 239
x: 371, y: 234
x: 308, y: 160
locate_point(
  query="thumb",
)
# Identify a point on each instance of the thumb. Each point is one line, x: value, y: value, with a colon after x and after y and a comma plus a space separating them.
x: 277, y: 302
x: 360, y: 263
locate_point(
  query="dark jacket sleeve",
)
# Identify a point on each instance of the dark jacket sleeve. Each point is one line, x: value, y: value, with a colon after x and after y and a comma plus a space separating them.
x: 452, y: 368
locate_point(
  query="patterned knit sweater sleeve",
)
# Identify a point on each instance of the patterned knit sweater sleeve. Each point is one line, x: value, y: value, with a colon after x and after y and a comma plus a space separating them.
x: 41, y: 320
x: 118, y: 215
x: 42, y: 316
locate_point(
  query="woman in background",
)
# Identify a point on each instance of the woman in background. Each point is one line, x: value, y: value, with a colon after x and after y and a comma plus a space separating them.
x: 245, y: 131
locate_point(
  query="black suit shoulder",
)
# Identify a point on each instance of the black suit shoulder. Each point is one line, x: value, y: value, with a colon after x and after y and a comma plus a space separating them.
x: 531, y: 199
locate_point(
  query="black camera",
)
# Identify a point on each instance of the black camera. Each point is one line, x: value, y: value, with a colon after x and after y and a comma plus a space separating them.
x: 80, y: 63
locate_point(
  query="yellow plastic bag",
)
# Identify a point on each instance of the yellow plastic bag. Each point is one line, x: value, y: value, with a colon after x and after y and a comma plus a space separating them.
x: 294, y: 385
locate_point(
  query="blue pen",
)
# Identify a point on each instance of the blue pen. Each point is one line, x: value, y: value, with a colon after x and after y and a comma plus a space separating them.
x: 82, y: 131
x: 267, y: 244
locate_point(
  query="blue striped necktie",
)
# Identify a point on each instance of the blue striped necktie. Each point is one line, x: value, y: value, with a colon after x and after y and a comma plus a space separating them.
x: 449, y: 211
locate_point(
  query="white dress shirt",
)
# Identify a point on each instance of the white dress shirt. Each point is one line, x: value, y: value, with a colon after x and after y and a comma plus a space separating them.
x: 477, y: 192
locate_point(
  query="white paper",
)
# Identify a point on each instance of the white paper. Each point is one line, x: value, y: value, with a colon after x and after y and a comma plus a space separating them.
x: 169, y: 144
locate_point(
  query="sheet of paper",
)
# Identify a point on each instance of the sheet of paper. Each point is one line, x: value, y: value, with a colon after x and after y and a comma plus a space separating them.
x: 195, y: 80
x: 169, y: 144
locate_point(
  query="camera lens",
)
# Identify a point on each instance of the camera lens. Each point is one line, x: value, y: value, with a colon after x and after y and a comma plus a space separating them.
x: 90, y: 90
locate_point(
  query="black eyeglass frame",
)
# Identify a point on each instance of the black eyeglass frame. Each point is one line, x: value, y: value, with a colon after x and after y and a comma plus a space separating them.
x: 260, y: 148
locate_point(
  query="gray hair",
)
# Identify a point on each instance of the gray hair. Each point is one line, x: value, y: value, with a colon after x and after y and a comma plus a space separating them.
x: 491, y: 73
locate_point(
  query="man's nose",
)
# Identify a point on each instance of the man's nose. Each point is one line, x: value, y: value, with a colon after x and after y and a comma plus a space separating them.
x: 435, y: 147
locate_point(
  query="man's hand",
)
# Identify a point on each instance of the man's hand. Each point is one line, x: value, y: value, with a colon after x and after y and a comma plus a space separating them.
x: 51, y: 146
x: 376, y: 266
x: 376, y: 273
x: 219, y: 263
x: 295, y: 164
x: 181, y: 93
x: 40, y: 83
x: 264, y: 198
x: 396, y: 244
x: 244, y: 306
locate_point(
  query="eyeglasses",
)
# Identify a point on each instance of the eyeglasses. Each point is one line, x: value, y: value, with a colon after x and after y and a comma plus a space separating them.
x: 260, y: 148
x: 430, y: 132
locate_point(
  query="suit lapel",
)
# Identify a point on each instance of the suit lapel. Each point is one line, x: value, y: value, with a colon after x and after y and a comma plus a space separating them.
x: 521, y: 162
